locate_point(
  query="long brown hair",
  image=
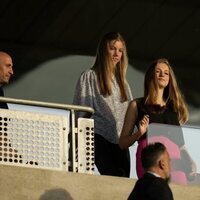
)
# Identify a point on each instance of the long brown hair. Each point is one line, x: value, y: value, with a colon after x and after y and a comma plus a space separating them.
x: 171, y: 93
x: 103, y: 66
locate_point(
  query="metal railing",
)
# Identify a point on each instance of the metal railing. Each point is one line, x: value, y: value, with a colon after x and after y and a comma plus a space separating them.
x: 49, y: 141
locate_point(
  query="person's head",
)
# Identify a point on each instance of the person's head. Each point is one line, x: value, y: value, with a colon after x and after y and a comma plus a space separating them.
x: 160, y: 75
x: 155, y: 158
x: 111, y: 51
x: 111, y: 59
x: 6, y: 68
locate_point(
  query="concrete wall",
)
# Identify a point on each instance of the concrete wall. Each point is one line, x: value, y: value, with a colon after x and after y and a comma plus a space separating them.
x: 18, y: 183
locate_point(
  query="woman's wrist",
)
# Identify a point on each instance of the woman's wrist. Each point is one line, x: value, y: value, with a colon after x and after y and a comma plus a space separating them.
x: 138, y: 135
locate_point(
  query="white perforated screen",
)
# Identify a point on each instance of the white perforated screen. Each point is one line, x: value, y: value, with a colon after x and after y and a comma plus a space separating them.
x: 34, y: 139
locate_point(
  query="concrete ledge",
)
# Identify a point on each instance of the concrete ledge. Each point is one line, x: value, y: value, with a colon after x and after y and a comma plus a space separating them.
x: 21, y: 183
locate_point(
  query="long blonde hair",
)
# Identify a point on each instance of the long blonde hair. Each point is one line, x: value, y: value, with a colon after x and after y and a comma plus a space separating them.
x: 103, y: 66
x: 171, y: 93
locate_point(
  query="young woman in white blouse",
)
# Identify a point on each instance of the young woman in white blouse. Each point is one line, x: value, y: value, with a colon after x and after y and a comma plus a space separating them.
x: 104, y: 87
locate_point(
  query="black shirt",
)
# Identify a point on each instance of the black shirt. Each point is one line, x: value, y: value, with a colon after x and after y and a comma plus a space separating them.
x: 150, y: 187
x: 163, y: 115
x: 3, y: 104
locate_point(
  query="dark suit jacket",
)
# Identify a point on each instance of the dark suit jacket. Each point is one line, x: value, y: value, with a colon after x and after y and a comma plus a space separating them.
x: 150, y: 187
x: 3, y: 104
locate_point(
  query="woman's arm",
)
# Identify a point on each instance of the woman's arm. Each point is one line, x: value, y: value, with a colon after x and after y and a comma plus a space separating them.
x: 83, y: 94
x: 127, y: 138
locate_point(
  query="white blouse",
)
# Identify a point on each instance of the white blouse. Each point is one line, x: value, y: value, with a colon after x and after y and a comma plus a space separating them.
x: 109, y: 110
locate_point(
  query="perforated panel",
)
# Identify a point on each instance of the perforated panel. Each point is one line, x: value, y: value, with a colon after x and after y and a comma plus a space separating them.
x: 85, y: 145
x: 33, y: 139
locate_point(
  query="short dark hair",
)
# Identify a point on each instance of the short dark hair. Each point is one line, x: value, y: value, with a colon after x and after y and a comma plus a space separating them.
x: 151, y: 153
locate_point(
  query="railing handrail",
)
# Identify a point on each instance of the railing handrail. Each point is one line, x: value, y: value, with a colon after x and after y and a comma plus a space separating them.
x: 48, y: 104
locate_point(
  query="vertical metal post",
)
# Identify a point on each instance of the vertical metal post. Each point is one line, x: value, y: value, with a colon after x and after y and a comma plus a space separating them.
x: 73, y: 141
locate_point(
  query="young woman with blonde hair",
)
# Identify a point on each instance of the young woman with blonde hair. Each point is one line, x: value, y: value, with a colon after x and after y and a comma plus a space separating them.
x: 162, y: 103
x: 104, y: 88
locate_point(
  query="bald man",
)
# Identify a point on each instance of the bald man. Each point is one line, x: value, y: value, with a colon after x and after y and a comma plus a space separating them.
x: 6, y: 71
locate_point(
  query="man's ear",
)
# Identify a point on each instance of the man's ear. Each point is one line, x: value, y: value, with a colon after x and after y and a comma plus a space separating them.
x: 161, y: 163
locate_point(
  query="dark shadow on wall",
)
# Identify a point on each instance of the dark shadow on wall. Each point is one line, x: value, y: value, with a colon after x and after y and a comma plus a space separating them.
x: 56, y: 194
